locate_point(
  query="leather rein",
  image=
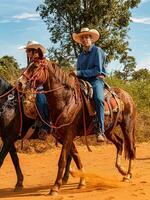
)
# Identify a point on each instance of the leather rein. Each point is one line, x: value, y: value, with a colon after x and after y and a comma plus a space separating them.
x: 34, y: 79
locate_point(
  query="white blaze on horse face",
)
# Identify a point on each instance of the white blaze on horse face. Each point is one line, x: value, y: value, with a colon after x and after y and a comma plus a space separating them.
x: 22, y: 82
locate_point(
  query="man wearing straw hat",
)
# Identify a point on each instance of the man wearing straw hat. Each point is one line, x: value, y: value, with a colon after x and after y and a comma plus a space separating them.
x: 91, y: 67
x: 35, y: 54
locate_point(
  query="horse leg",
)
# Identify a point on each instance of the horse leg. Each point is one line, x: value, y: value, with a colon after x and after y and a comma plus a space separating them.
x: 121, y: 169
x: 5, y: 149
x: 77, y: 160
x: 8, y: 146
x: 75, y: 155
x: 118, y: 164
x: 128, y: 175
x: 118, y: 142
x: 62, y: 161
x: 15, y: 161
x: 129, y: 139
x: 67, y: 169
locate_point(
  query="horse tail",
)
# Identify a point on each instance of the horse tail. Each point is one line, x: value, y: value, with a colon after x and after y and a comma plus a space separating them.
x: 129, y: 129
x: 129, y: 143
x: 128, y: 123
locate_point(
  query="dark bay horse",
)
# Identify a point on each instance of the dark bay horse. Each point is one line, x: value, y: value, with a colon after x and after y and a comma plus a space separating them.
x: 10, y: 126
x: 71, y: 118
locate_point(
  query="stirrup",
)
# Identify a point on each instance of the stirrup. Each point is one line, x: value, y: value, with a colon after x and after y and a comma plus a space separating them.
x: 42, y: 134
x: 101, y: 137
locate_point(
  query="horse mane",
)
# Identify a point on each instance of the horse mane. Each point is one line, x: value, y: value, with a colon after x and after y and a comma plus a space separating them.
x: 63, y: 77
x: 4, y: 86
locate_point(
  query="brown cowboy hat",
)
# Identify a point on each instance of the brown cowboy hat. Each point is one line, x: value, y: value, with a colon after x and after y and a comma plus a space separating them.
x: 33, y: 45
x: 86, y: 31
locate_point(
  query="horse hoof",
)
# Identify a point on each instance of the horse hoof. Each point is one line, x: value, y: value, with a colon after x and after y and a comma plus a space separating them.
x: 127, y: 179
x: 81, y: 186
x: 64, y: 181
x: 18, y: 188
x: 53, y: 193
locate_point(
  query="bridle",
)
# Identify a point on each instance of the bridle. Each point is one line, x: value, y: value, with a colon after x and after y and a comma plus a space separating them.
x: 32, y: 80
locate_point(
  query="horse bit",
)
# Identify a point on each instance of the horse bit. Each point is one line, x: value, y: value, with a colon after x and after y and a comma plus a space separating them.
x: 10, y: 103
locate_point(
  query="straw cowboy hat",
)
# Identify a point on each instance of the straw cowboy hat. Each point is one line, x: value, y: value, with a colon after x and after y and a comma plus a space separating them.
x: 86, y: 31
x: 33, y: 45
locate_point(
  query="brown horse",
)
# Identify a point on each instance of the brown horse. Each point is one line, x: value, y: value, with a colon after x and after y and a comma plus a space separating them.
x: 71, y: 118
x: 11, y: 129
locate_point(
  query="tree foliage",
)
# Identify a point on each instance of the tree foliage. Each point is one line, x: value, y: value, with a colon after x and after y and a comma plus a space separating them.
x: 129, y: 73
x: 9, y: 68
x: 136, y: 88
x: 141, y: 75
x: 110, y: 17
x: 128, y: 70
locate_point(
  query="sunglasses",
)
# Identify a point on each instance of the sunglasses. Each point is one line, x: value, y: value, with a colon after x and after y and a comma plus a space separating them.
x: 33, y: 50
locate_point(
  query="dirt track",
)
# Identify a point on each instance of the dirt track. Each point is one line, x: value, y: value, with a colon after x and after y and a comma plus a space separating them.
x: 103, y: 180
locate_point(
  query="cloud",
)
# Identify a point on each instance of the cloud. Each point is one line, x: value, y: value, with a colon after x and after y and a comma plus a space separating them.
x: 21, y: 17
x: 141, y: 20
x: 29, y: 16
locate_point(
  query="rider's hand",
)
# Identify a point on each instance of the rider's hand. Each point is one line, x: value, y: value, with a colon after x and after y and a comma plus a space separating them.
x: 101, y: 76
x: 73, y: 73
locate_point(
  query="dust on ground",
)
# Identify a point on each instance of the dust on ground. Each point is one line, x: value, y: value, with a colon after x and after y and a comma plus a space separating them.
x: 103, y: 180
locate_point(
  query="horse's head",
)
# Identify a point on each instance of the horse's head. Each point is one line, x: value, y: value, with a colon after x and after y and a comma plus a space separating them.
x: 33, y: 76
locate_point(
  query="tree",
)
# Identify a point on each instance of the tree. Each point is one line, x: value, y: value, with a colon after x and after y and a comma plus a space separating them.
x: 129, y: 67
x: 141, y: 75
x: 110, y: 17
x: 9, y: 68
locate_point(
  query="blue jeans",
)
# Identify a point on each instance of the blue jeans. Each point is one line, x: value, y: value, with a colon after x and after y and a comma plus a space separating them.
x: 98, y: 95
x: 42, y: 106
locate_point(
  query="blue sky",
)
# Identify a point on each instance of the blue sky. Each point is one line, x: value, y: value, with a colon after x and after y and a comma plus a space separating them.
x: 19, y: 23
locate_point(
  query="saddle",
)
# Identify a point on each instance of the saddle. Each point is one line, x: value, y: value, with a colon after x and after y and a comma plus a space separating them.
x: 112, y: 102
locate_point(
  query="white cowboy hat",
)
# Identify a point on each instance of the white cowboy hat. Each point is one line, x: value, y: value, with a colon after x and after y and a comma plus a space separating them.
x: 33, y: 45
x: 86, y: 31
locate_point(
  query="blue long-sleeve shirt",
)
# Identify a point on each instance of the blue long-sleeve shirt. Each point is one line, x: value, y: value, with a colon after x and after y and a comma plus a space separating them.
x: 91, y: 63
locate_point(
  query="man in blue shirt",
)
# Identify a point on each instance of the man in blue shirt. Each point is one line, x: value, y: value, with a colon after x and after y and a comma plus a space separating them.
x: 91, y: 67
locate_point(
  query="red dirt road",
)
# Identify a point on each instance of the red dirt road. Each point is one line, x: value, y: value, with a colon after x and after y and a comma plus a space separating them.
x: 103, y: 180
